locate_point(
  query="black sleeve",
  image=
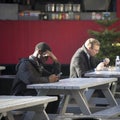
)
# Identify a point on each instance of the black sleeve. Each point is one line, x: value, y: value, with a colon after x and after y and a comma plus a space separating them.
x: 28, y: 74
x: 56, y: 68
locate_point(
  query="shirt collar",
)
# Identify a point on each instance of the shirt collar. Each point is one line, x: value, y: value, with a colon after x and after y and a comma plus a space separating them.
x: 86, y: 52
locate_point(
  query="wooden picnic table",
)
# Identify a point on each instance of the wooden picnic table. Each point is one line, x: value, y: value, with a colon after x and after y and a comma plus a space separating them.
x: 107, y: 73
x: 77, y: 87
x: 7, y: 76
x: 26, y: 103
x: 2, y: 68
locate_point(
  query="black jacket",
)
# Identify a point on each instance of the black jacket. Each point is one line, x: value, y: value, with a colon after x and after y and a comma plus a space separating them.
x: 80, y: 64
x: 28, y: 72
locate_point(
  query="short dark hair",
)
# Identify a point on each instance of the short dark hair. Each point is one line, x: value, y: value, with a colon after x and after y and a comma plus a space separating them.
x: 42, y: 46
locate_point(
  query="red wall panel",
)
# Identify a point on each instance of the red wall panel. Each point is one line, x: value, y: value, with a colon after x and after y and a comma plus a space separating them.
x: 18, y: 38
x: 118, y: 8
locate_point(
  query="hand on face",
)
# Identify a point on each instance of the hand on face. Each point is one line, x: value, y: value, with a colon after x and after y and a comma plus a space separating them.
x: 50, y: 54
x: 43, y: 56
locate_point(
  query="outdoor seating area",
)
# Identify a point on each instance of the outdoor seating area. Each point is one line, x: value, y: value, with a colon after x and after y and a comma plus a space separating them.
x: 80, y: 103
x: 59, y: 59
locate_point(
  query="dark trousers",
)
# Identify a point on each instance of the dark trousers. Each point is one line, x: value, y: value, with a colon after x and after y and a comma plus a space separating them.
x: 52, y: 107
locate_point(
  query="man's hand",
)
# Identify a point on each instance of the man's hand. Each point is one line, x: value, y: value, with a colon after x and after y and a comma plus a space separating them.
x: 51, y: 55
x: 53, y: 78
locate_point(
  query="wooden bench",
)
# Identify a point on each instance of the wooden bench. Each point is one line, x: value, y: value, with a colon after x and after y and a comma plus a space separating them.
x: 108, y: 113
x: 76, y: 117
x: 26, y: 103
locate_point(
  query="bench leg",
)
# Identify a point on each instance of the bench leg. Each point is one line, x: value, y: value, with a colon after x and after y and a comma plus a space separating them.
x: 10, y: 116
x: 81, y: 100
x: 64, y: 104
x: 109, y: 96
x: 36, y: 113
x: 41, y: 115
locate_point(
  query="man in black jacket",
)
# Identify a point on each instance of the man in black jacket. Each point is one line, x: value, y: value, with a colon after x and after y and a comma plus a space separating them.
x: 31, y: 70
x: 83, y: 60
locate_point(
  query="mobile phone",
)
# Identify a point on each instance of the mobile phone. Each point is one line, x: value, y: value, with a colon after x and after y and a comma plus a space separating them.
x: 59, y: 74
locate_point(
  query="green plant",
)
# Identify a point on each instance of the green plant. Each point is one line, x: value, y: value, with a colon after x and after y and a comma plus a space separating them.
x: 109, y: 39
